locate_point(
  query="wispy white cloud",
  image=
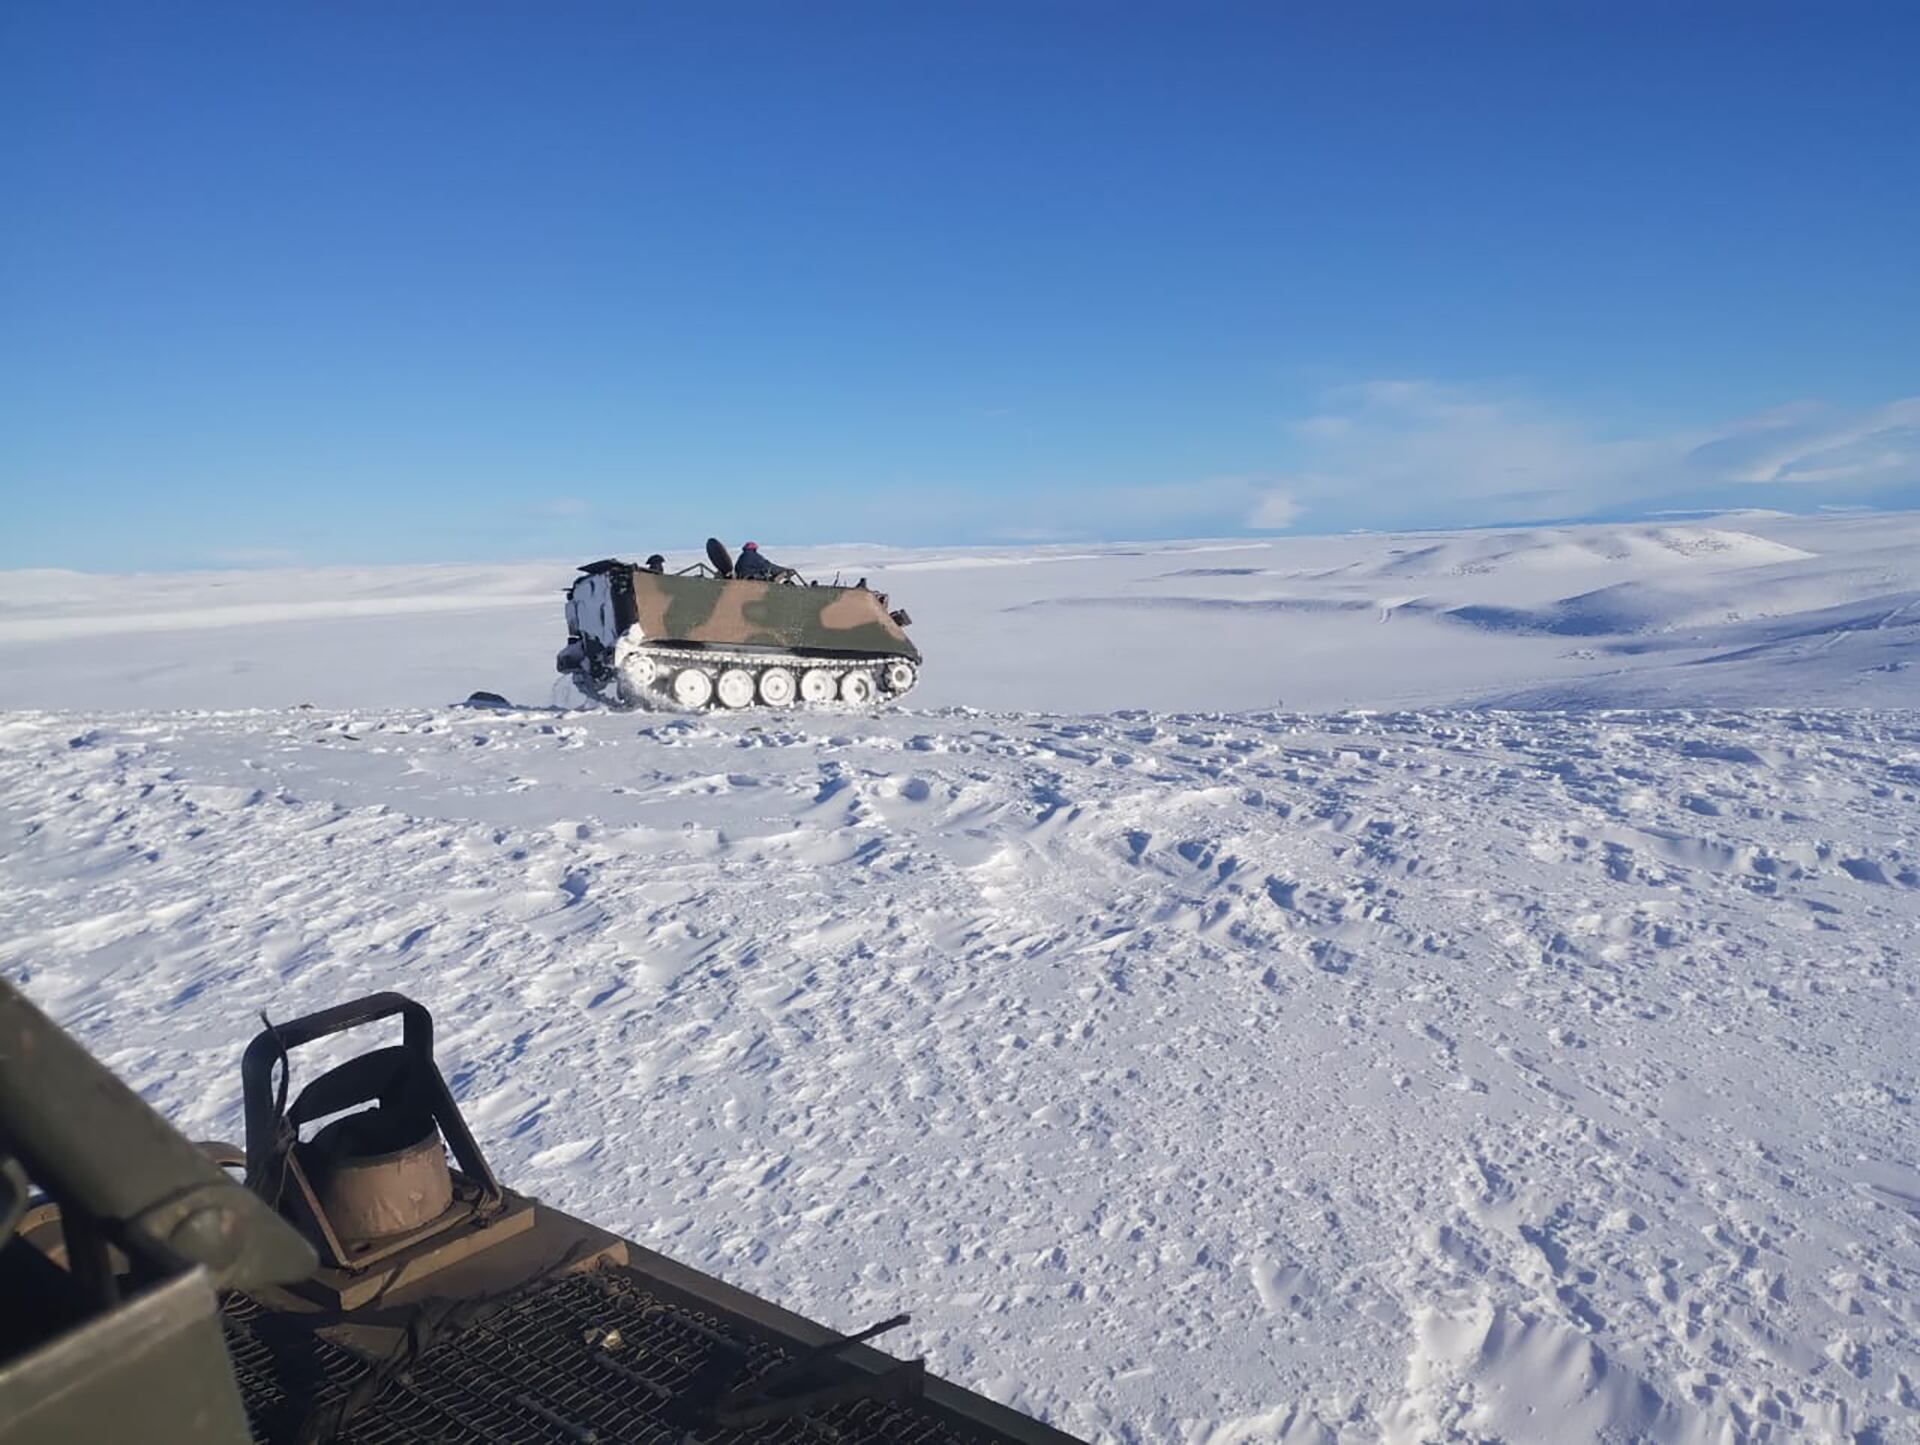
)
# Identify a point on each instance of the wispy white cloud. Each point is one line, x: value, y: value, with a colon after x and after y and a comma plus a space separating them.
x: 1808, y: 444
x: 1415, y: 450
x: 1423, y: 453
x: 1275, y: 511
x: 1258, y: 503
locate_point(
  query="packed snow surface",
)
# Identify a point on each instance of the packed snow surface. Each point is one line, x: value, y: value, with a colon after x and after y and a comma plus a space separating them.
x: 1189, y: 1075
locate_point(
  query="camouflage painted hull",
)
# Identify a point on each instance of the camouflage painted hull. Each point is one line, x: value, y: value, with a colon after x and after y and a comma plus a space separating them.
x: 640, y: 638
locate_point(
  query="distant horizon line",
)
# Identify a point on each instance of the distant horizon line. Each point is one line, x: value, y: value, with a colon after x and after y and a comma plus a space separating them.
x: 266, y: 561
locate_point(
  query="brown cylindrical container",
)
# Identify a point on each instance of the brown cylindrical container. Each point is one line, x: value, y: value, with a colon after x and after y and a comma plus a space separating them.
x: 370, y: 1196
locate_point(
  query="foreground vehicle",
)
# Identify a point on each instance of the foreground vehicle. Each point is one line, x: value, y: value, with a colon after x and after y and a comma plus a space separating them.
x: 357, y: 1287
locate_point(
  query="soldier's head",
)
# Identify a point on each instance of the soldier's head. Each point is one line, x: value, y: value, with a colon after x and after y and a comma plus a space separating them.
x: 656, y: 563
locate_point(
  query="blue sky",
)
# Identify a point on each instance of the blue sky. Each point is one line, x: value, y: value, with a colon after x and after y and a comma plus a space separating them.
x: 365, y: 281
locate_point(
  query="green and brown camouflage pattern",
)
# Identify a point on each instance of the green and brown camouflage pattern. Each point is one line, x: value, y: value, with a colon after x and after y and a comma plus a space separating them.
x: 795, y: 617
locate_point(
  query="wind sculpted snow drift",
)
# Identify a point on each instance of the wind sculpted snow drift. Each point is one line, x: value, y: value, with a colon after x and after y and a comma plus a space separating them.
x: 1192, y: 1078
x: 1189, y: 1075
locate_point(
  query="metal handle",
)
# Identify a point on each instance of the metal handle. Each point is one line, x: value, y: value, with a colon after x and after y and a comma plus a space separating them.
x: 266, y: 1130
x: 344, y: 1016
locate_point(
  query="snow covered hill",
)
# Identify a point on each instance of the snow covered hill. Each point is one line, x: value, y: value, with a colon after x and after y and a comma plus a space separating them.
x: 1733, y: 611
x: 1190, y: 1077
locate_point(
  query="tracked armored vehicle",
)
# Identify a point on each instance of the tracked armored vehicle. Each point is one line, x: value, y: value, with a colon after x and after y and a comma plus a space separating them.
x: 705, y: 638
x: 352, y: 1283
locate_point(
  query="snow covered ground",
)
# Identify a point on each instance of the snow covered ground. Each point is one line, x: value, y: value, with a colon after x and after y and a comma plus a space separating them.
x: 1190, y: 1074
x: 1731, y: 611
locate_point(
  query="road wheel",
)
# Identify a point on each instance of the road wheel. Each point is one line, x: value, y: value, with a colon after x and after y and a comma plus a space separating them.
x: 816, y: 685
x: 635, y: 676
x: 776, y: 687
x: 692, y: 688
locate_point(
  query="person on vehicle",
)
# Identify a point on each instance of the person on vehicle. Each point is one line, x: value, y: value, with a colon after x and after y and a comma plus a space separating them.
x: 656, y: 563
x: 751, y: 566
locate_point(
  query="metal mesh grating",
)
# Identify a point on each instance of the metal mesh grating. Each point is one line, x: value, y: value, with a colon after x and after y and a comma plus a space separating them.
x: 590, y: 1357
